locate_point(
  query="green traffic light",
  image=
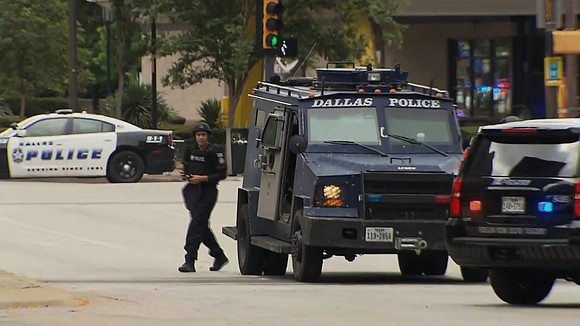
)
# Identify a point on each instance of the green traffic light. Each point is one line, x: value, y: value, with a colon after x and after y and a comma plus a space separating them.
x: 274, y: 40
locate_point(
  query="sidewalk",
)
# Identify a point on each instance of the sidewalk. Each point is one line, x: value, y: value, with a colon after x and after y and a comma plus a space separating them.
x: 17, y: 292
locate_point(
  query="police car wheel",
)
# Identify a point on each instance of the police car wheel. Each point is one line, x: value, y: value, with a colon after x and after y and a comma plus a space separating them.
x: 520, y: 287
x: 435, y: 263
x: 306, y: 260
x: 473, y: 275
x: 124, y: 167
x: 250, y: 257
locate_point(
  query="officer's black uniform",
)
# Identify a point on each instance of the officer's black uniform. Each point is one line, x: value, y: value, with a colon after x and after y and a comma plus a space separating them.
x: 200, y: 200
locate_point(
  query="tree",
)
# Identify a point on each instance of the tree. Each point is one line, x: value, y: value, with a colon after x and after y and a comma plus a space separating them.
x: 217, y: 41
x: 127, y: 36
x: 33, y: 54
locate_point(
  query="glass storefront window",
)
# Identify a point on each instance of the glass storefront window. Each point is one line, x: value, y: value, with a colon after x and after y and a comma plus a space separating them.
x: 482, y: 76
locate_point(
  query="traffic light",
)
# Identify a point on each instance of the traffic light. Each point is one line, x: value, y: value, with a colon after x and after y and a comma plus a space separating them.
x: 271, y: 23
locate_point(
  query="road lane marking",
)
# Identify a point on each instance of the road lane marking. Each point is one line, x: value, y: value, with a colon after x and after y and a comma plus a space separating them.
x: 61, y: 234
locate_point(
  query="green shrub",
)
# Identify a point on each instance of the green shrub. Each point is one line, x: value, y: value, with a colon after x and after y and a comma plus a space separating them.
x: 37, y: 105
x: 176, y: 119
x: 6, y: 120
x: 211, y: 113
x: 137, y: 105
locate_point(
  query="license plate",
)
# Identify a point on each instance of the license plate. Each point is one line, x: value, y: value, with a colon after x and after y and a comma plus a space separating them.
x: 513, y: 204
x: 379, y: 234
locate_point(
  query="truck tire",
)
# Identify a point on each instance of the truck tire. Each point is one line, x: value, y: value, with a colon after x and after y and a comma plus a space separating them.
x: 520, y: 287
x: 250, y: 257
x: 473, y: 275
x: 306, y: 260
x: 435, y: 262
x: 410, y: 264
x: 275, y: 263
x: 125, y: 167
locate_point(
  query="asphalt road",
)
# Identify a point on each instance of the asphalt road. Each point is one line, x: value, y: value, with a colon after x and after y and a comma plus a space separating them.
x: 119, y: 246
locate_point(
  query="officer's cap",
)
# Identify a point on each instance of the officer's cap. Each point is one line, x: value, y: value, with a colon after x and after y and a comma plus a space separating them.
x: 202, y: 126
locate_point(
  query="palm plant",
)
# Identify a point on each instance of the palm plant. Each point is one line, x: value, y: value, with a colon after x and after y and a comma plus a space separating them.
x: 211, y: 113
x: 137, y: 105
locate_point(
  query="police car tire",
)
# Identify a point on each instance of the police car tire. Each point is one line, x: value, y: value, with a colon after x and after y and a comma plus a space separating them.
x: 435, y: 262
x: 250, y: 257
x: 519, y: 286
x: 473, y: 275
x: 125, y: 158
x: 307, y: 260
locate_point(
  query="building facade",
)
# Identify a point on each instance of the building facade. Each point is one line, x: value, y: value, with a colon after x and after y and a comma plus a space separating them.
x: 488, y: 54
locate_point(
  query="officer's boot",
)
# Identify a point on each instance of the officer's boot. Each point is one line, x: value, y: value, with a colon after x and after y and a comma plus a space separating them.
x: 187, y: 267
x: 219, y: 262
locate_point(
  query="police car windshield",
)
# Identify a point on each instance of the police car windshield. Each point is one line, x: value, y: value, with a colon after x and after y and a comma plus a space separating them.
x: 358, y: 125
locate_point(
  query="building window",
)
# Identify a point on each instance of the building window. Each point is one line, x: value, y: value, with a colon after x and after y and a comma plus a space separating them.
x: 482, y: 77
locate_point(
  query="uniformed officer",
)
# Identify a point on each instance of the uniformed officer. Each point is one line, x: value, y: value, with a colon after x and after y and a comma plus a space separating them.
x: 203, y: 167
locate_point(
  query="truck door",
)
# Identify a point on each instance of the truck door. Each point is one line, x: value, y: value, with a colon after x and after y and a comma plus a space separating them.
x: 271, y: 162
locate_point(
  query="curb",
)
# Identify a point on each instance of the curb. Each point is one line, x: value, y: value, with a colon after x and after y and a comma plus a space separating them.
x: 17, y: 292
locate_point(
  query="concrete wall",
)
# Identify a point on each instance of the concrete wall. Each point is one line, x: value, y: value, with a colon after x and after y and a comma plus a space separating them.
x: 424, y: 50
x: 184, y: 101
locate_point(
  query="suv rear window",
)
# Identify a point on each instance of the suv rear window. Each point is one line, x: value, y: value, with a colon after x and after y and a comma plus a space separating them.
x: 524, y: 155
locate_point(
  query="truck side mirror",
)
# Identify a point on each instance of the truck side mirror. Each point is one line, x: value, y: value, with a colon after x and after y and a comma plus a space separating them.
x: 298, y: 144
x: 14, y: 125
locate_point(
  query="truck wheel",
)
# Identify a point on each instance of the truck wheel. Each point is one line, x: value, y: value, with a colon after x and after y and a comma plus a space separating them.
x: 125, y: 167
x: 410, y: 264
x: 473, y: 275
x: 275, y: 263
x: 250, y: 257
x: 435, y: 262
x: 307, y: 260
x: 520, y: 287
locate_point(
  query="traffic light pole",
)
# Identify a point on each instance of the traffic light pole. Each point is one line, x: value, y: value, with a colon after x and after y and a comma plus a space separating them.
x: 269, y: 58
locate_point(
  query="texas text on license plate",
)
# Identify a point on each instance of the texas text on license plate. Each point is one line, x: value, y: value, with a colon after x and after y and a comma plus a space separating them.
x: 513, y: 204
x: 376, y: 234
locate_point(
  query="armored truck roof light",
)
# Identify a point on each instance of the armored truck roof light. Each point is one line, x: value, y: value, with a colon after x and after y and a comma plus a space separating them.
x: 374, y: 76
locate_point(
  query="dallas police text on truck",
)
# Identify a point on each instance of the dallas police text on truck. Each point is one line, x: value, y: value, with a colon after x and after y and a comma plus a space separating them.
x: 355, y: 161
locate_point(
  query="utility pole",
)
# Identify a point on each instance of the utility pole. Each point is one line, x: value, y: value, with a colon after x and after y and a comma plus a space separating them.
x: 72, y: 49
x: 153, y: 73
x: 571, y: 66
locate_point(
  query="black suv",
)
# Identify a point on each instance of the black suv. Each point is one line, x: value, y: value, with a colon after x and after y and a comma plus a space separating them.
x: 515, y: 208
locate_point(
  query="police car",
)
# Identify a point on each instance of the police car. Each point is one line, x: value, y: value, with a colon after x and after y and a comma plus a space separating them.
x: 68, y: 144
x: 516, y: 207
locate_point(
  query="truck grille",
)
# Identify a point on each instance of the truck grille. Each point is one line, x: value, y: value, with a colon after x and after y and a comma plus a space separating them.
x: 408, y: 196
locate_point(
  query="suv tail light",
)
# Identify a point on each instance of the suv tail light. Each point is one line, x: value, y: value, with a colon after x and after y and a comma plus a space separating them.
x: 170, y: 140
x: 577, y: 200
x: 455, y: 198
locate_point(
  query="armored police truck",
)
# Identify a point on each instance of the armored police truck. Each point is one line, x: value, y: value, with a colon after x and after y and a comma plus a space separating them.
x: 355, y: 161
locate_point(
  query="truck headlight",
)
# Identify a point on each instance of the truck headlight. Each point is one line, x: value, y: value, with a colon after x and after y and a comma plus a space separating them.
x: 331, y: 196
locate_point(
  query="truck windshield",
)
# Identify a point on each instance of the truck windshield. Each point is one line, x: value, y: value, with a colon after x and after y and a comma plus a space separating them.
x: 358, y: 125
x: 427, y: 126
